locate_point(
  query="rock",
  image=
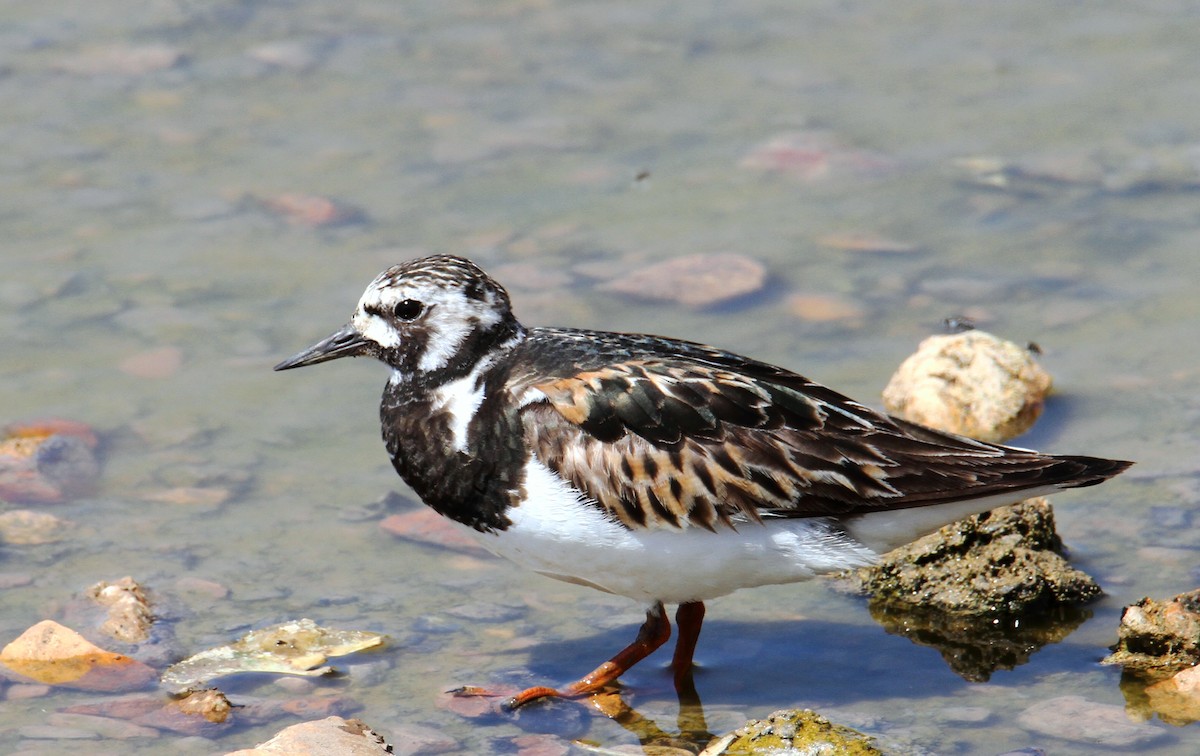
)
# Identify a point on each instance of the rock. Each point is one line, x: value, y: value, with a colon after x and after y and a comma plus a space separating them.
x: 824, y: 308
x: 814, y: 156
x: 971, y: 383
x: 129, y: 614
x: 792, y: 731
x: 189, y: 496
x: 863, y: 241
x: 23, y: 527
x: 1159, y: 636
x: 345, y: 737
x: 155, y: 364
x: 105, y: 727
x: 428, y: 527
x: 298, y: 647
x: 291, y: 54
x: 693, y: 280
x: 204, y: 713
x: 312, y: 211
x: 47, y: 461
x: 56, y: 655
x: 1077, y: 719
x: 1002, y: 563
x: 124, y: 60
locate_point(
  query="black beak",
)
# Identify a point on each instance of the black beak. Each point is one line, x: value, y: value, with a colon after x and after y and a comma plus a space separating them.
x: 346, y: 342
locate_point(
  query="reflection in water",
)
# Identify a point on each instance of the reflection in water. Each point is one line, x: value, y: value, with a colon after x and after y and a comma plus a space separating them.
x: 690, y: 725
x: 1149, y: 695
x: 976, y: 646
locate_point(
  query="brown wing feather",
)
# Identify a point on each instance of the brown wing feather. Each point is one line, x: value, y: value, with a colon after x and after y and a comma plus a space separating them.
x: 675, y: 444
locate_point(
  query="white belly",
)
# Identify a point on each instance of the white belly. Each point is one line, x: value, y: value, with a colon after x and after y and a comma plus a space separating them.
x: 559, y: 535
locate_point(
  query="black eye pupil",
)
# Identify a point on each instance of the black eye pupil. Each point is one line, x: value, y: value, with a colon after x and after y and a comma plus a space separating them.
x: 408, y: 309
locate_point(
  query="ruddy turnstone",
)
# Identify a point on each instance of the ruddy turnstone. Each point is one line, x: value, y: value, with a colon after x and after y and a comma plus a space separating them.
x: 662, y: 470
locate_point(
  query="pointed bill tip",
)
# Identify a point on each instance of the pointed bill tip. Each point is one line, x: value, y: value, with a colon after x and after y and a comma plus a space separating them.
x: 346, y: 342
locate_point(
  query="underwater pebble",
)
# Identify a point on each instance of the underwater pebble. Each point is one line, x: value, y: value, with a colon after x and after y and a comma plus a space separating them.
x: 50, y: 732
x: 126, y: 60
x: 311, y: 211
x: 1077, y: 719
x: 428, y: 527
x: 965, y: 714
x: 103, y: 726
x: 431, y: 624
x: 813, y: 156
x: 823, y: 308
x: 865, y: 241
x: 549, y: 745
x: 28, y: 528
x: 22, y: 691
x: 47, y: 461
x: 189, y: 496
x: 295, y: 55
x: 154, y: 364
x: 332, y: 735
x: 14, y: 579
x: 200, y: 586
x: 417, y: 740
x: 698, y: 280
x: 481, y: 611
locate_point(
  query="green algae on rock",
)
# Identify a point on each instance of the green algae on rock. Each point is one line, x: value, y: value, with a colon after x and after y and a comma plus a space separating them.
x: 792, y: 731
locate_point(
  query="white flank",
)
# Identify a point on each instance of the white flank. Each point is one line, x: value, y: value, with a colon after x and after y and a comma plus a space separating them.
x: 555, y: 532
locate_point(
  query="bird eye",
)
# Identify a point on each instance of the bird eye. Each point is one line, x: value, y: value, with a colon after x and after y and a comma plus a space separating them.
x: 408, y: 309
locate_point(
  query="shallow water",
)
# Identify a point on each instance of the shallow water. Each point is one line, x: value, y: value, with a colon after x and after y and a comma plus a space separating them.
x: 137, y: 230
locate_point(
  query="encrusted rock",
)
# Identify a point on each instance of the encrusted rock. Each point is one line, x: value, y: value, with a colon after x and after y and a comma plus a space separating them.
x: 792, y: 731
x: 1006, y: 562
x: 1162, y: 636
x: 970, y: 383
x: 129, y: 614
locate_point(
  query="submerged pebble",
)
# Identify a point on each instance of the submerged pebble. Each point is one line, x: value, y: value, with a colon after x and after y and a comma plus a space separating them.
x: 47, y: 461
x: 1077, y: 719
x: 346, y: 737
x: 700, y: 280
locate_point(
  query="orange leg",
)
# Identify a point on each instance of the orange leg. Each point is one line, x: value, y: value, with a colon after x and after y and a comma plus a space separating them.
x: 689, y: 617
x: 656, y: 630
